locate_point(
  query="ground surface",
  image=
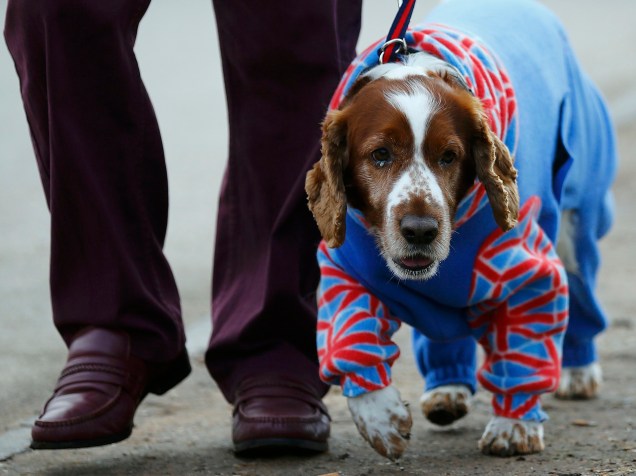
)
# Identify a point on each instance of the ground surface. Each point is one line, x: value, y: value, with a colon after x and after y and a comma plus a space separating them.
x: 187, y: 430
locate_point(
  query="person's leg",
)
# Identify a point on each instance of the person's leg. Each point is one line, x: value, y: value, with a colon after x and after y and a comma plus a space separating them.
x: 281, y: 63
x: 101, y: 162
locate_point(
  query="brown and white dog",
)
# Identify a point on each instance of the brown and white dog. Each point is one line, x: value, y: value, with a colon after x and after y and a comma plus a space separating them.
x: 432, y: 131
x: 404, y: 147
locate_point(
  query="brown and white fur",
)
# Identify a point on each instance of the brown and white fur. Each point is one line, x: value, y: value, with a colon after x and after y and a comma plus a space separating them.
x: 404, y: 147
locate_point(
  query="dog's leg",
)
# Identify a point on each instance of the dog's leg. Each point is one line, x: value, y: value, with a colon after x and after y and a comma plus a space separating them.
x: 445, y: 404
x: 580, y: 383
x: 576, y: 382
x: 566, y: 248
x: 383, y: 419
x: 509, y: 436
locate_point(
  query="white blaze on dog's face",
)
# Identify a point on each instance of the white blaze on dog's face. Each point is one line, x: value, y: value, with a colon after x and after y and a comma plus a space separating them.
x: 408, y: 168
x: 404, y: 148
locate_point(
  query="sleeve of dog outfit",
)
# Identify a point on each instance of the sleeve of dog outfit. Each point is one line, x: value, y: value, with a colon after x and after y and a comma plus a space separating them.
x: 354, y: 331
x: 519, y: 311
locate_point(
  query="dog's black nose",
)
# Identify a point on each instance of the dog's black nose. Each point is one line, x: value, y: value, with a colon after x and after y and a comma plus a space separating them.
x: 419, y: 230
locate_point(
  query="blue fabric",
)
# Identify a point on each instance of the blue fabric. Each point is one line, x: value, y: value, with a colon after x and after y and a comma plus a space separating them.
x: 445, y: 363
x: 565, y: 153
x: 533, y: 46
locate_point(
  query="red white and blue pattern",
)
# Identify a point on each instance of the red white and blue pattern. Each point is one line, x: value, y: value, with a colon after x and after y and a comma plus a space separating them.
x: 482, y: 72
x: 354, y: 332
x: 519, y: 311
x: 518, y: 300
x: 475, y: 199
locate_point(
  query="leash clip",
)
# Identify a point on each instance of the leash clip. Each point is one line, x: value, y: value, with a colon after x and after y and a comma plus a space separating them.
x: 401, y: 49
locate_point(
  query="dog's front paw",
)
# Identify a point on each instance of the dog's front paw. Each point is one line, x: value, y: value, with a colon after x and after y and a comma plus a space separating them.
x: 580, y: 383
x: 384, y: 420
x: 509, y: 436
x: 445, y: 404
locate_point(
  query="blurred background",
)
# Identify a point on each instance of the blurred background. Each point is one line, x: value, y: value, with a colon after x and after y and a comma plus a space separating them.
x: 178, y: 55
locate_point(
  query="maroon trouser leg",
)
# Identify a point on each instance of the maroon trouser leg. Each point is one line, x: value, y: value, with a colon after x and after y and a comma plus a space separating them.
x: 102, y: 167
x: 101, y: 161
x: 281, y: 63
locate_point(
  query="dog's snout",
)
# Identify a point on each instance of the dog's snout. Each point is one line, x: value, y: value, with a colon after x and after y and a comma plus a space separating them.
x: 419, y: 230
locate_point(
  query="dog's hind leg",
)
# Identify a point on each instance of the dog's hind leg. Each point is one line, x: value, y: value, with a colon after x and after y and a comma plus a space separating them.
x: 566, y: 248
x: 581, y: 374
x: 580, y: 383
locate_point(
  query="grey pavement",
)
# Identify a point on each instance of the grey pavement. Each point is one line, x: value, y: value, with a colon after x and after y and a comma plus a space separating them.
x: 178, y: 57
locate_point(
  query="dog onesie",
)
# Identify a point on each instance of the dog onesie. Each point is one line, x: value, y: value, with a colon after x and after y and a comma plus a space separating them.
x: 507, y: 290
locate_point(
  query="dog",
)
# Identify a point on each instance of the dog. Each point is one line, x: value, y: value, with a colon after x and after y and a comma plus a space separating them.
x: 462, y: 190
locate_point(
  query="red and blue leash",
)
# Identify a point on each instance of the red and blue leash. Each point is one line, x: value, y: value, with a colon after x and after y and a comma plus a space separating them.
x: 395, y: 43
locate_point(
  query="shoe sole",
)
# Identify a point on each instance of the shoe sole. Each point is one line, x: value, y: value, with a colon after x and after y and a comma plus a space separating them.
x: 66, y: 445
x: 268, y: 446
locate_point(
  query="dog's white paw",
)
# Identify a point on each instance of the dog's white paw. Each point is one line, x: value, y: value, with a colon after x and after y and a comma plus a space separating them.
x: 580, y: 383
x: 509, y: 436
x: 445, y: 404
x: 383, y: 419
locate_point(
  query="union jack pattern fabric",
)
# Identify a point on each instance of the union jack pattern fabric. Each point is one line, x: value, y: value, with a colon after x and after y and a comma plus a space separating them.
x: 517, y: 305
x: 518, y: 309
x: 354, y: 332
x: 481, y: 70
x: 471, y: 204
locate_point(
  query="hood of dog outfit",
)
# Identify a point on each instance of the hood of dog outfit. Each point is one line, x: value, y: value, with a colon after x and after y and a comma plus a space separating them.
x: 490, y: 83
x: 489, y: 275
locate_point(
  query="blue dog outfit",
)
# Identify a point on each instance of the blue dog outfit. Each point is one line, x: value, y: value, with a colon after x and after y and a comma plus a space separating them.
x: 507, y: 290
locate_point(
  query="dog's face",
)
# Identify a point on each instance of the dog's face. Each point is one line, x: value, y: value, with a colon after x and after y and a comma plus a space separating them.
x: 404, y: 149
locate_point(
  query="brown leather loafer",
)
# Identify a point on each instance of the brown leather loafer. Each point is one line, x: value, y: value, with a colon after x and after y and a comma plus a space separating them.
x: 99, y: 390
x: 276, y: 414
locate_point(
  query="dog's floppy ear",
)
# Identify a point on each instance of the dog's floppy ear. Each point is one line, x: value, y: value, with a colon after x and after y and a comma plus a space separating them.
x: 325, y: 183
x: 495, y: 169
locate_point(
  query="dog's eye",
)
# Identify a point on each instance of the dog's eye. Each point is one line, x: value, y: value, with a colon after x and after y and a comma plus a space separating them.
x: 447, y: 158
x: 381, y: 156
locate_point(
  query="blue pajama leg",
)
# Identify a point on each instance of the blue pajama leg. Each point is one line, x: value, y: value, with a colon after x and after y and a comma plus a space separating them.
x: 587, y: 318
x: 444, y: 363
x: 588, y: 136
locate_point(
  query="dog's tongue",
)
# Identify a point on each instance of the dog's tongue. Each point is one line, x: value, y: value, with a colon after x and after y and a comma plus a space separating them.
x: 416, y: 262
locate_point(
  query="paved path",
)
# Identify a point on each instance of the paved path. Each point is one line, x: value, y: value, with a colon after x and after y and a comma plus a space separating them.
x: 177, y: 52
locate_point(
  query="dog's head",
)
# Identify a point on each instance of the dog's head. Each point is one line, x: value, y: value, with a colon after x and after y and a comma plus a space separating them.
x: 403, y: 148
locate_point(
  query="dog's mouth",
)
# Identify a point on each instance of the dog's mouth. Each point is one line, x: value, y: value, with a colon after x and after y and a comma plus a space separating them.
x: 415, y: 265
